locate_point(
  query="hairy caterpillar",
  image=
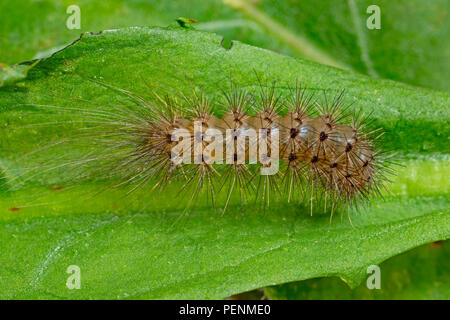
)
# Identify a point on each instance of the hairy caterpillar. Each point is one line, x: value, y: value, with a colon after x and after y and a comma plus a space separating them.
x: 322, y: 153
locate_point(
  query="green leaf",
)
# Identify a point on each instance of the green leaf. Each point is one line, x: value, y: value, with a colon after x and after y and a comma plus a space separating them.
x: 131, y: 247
x: 421, y: 273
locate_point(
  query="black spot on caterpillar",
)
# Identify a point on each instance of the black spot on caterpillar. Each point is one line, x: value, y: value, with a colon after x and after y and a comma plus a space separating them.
x: 324, y: 154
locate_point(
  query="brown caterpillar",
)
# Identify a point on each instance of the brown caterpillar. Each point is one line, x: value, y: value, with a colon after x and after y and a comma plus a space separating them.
x: 331, y: 156
x: 325, y: 157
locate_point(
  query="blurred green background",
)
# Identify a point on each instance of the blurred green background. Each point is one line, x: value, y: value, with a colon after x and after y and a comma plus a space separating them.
x: 412, y: 45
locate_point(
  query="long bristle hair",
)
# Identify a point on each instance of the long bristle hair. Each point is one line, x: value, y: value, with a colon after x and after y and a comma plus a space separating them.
x: 330, y: 156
